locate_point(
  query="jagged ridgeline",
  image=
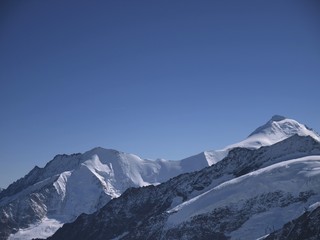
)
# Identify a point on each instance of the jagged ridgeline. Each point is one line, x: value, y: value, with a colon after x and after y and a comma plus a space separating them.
x: 244, y: 191
x: 247, y: 195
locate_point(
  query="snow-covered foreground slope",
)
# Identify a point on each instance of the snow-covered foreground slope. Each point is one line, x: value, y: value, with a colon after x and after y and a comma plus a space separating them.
x: 247, y: 195
x: 83, y: 183
x: 261, y: 201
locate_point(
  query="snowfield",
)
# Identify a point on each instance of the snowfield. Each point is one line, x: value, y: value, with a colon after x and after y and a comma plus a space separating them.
x: 292, y: 176
x: 43, y: 229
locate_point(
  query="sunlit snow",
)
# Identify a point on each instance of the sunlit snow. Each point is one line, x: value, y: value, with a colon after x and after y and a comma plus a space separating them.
x: 83, y: 183
x: 284, y: 176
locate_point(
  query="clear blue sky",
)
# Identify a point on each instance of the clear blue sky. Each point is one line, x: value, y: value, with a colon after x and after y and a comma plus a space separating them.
x: 161, y: 79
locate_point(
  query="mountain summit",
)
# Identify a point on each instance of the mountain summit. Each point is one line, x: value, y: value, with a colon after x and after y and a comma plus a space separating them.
x: 38, y: 204
x: 275, y: 130
x: 281, y: 127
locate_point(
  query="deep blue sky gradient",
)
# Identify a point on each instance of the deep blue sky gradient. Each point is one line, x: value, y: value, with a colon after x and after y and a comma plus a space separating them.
x: 161, y: 79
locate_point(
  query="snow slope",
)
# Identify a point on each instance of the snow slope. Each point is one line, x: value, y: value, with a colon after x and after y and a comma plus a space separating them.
x: 42, y: 229
x: 288, y: 177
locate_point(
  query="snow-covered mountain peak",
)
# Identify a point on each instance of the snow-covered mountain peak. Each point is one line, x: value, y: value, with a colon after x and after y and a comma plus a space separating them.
x: 281, y: 127
x: 275, y: 130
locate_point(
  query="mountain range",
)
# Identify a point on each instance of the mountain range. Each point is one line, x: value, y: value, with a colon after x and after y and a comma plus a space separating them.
x: 247, y: 190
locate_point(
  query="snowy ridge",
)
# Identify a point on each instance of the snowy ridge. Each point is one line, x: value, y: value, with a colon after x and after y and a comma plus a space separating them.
x: 295, y: 182
x: 293, y: 176
x: 277, y: 129
x: 247, y: 195
x: 70, y: 185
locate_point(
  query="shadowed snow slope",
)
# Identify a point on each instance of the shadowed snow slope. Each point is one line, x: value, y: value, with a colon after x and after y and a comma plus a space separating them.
x: 82, y: 183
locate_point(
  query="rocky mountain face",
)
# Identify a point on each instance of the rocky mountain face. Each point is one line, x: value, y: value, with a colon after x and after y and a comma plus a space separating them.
x: 306, y: 227
x: 38, y: 204
x: 247, y: 195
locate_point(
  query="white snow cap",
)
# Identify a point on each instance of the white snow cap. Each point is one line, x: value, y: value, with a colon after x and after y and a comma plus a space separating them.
x: 272, y: 123
x: 275, y: 130
x: 286, y: 127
